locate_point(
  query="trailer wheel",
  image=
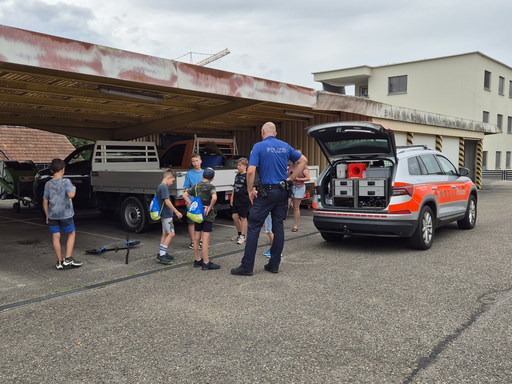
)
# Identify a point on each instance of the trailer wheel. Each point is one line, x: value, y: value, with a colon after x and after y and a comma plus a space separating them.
x: 134, y: 215
x: 16, y: 207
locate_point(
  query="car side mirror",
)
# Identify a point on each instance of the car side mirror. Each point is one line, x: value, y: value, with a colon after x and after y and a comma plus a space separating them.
x: 463, y: 171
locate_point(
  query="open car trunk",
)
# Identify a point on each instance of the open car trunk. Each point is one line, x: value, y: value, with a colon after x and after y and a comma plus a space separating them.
x: 362, y: 160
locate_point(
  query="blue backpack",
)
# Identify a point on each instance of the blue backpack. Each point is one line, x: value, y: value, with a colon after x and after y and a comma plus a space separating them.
x: 195, y: 211
x: 154, y: 210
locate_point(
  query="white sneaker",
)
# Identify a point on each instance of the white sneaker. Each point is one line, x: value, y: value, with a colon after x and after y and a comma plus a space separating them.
x: 241, y: 239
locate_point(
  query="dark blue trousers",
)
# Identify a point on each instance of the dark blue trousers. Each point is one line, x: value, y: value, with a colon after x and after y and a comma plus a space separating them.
x: 277, y: 203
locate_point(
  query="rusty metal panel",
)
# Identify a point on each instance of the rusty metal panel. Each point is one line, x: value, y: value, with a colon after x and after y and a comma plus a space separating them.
x: 28, y: 48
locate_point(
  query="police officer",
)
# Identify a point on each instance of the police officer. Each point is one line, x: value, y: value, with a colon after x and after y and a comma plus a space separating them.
x: 271, y: 156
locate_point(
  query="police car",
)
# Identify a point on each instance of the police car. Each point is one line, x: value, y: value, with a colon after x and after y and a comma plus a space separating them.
x: 371, y: 187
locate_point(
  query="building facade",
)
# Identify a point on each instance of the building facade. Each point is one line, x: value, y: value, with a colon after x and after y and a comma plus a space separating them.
x: 470, y: 86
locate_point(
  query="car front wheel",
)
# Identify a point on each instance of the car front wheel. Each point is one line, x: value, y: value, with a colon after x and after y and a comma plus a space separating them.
x: 423, y: 237
x: 469, y: 221
x: 134, y: 215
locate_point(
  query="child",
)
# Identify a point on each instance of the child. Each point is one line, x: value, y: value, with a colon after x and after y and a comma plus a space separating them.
x: 268, y: 229
x: 240, y: 202
x: 206, y: 191
x: 194, y: 176
x: 58, y: 208
x: 162, y: 194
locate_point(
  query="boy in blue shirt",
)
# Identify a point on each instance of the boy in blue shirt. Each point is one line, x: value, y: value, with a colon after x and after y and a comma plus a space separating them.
x: 194, y: 176
x: 58, y: 208
x: 166, y: 216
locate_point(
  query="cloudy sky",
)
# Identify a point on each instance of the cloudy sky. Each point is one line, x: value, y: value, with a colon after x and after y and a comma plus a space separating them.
x: 277, y: 39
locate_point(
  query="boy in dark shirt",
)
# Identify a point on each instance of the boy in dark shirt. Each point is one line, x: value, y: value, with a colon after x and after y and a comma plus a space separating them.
x: 240, y: 201
x: 206, y: 191
x: 164, y: 201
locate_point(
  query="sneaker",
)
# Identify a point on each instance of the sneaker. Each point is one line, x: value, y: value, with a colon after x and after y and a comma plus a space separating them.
x: 191, y: 246
x: 235, y: 238
x: 59, y: 265
x: 166, y: 255
x: 210, y: 265
x: 241, y: 272
x: 268, y: 268
x: 70, y: 261
x: 164, y: 259
x: 241, y: 239
x: 267, y: 253
x: 198, y: 263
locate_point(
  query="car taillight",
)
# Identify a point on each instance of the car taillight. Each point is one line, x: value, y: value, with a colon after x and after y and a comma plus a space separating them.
x: 314, y: 188
x: 403, y: 190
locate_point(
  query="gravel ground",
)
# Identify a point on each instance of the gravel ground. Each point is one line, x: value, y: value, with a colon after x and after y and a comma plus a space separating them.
x: 365, y: 310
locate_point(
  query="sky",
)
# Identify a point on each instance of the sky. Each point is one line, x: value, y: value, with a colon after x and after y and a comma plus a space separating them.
x: 278, y: 40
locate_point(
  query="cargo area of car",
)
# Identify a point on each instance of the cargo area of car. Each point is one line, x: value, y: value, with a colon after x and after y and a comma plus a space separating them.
x: 357, y: 185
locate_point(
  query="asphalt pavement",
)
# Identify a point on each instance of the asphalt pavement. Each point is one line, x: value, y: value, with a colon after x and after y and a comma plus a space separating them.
x: 365, y: 310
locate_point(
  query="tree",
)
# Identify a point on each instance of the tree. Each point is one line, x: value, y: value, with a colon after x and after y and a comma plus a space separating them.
x: 77, y: 142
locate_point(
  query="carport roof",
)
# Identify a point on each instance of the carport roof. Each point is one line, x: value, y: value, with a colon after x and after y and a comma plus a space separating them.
x: 96, y: 92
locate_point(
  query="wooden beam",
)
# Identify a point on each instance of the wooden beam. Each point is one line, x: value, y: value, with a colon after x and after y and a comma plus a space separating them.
x: 67, y: 114
x: 103, y: 106
x: 56, y: 90
x: 27, y: 121
x: 89, y: 134
x: 168, y: 124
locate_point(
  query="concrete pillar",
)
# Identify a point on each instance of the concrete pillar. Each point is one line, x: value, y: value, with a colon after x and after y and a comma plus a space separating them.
x: 461, y: 151
x: 439, y: 143
x: 410, y: 138
x: 479, y: 159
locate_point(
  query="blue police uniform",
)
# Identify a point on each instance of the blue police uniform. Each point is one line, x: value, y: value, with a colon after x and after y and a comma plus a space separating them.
x: 271, y: 156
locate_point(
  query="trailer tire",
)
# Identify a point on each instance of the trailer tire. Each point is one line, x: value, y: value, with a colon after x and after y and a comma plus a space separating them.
x: 134, y: 215
x: 16, y: 207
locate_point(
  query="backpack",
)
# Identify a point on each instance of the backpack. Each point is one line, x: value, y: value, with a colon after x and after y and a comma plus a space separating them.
x: 154, y: 210
x: 195, y: 211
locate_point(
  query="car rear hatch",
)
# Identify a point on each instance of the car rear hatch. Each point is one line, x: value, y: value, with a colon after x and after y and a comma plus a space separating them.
x: 350, y: 140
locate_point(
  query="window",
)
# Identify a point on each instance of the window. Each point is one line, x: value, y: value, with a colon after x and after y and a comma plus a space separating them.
x: 507, y: 159
x: 363, y: 92
x: 509, y: 124
x: 486, y: 117
x: 173, y: 157
x: 484, y: 160
x: 431, y: 165
x: 501, y: 86
x: 413, y: 166
x: 397, y: 84
x: 510, y: 88
x: 499, y: 121
x: 487, y: 80
x: 498, y: 160
x: 447, y: 166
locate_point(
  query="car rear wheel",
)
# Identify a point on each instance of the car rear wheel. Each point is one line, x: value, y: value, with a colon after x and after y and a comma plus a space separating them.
x: 423, y: 237
x: 332, y: 237
x: 469, y: 221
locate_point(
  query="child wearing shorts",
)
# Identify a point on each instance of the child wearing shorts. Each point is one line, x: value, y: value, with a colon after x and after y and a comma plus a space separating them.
x: 166, y: 216
x: 206, y: 191
x: 59, y: 211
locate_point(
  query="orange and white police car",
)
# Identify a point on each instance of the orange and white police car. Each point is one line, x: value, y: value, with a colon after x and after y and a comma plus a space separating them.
x: 371, y: 187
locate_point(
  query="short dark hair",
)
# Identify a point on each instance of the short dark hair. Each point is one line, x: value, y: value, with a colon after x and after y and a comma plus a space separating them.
x: 57, y: 165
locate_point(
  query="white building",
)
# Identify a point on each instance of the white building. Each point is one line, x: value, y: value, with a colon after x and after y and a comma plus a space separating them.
x: 470, y: 86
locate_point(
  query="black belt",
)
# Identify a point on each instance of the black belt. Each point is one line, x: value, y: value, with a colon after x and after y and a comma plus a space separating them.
x: 270, y: 186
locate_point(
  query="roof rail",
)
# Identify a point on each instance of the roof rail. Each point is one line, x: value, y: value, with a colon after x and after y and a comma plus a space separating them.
x: 409, y: 148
